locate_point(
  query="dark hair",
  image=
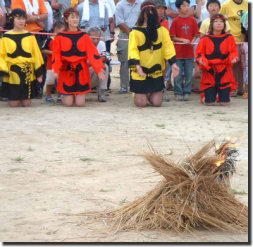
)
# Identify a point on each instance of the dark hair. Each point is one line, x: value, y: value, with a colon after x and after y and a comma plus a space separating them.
x: 148, y: 8
x: 66, y: 14
x: 58, y: 25
x: 212, y: 19
x: 16, y: 13
x: 212, y: 1
x: 180, y: 2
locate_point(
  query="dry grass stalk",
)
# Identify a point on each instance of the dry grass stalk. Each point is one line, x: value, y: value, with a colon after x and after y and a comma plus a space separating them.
x: 191, y: 195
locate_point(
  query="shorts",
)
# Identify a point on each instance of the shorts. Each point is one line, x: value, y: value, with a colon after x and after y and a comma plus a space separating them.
x: 211, y: 93
x: 50, y: 80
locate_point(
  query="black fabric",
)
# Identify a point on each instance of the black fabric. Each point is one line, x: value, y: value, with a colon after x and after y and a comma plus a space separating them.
x: 172, y: 60
x: 150, y: 85
x: 153, y: 69
x: 132, y: 62
x: 211, y: 94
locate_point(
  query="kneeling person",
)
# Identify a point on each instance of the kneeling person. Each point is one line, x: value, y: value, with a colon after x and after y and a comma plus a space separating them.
x: 101, y: 85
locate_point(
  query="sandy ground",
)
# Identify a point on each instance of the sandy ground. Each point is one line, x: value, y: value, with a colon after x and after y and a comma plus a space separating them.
x: 57, y: 160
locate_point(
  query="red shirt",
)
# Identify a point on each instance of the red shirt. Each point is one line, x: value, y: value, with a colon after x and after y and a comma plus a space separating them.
x: 164, y: 22
x: 187, y: 28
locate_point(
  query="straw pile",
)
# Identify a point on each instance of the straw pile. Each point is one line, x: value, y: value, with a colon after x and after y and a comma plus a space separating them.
x: 194, y: 194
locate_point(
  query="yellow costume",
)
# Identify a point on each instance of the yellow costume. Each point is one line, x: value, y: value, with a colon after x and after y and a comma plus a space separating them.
x: 151, y: 59
x: 20, y: 63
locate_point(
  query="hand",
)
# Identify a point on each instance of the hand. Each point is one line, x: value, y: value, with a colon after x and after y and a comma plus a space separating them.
x: 41, y: 24
x: 101, y: 75
x: 234, y: 60
x: 202, y: 62
x: 175, y: 70
x: 140, y: 71
x: 55, y: 75
x: 40, y: 78
x: 185, y: 41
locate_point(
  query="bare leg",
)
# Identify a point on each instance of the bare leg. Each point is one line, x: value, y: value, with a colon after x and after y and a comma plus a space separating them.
x: 156, y: 98
x: 49, y: 90
x: 210, y: 104
x: 67, y: 100
x: 80, y: 100
x: 26, y: 102
x: 224, y: 103
x: 14, y: 103
x: 140, y: 100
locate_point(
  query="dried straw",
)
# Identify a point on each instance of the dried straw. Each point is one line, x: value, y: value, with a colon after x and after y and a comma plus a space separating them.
x: 193, y: 195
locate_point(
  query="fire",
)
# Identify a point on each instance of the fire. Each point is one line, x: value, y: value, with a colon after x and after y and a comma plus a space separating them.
x: 221, y: 161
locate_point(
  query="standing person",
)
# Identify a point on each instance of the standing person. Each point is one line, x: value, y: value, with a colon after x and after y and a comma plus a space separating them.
x: 126, y: 15
x: 184, y: 29
x: 149, y: 46
x: 47, y: 49
x: 2, y: 14
x: 71, y: 50
x: 161, y: 8
x: 233, y: 10
x: 215, y: 54
x: 95, y: 34
x: 58, y: 7
x: 20, y: 61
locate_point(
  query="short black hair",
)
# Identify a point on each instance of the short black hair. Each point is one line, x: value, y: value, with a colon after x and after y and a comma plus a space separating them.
x: 180, y: 2
x: 58, y: 24
x: 212, y: 1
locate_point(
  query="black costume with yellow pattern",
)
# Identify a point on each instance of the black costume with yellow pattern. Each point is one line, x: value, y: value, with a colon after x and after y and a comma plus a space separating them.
x: 151, y: 59
x: 20, y: 63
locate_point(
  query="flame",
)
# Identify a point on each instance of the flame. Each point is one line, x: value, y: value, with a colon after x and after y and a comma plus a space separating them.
x: 221, y: 161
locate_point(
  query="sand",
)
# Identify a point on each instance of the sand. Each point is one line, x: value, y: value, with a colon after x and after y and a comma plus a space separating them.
x: 57, y: 161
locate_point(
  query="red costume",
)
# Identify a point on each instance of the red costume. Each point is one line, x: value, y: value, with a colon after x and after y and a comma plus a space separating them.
x: 217, y: 51
x: 164, y: 22
x: 70, y: 53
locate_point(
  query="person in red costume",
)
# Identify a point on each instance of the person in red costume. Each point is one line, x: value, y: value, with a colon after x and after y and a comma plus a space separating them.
x: 71, y: 50
x: 215, y: 54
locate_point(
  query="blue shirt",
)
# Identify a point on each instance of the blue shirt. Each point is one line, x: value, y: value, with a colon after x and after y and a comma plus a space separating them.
x: 127, y: 13
x: 95, y: 20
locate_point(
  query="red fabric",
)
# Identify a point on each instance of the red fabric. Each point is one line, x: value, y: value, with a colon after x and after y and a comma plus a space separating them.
x: 164, y: 22
x: 225, y: 45
x: 49, y: 57
x: 186, y: 28
x: 72, y: 64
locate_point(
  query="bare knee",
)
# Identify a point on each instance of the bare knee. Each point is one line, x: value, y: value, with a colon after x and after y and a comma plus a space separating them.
x: 14, y: 103
x: 26, y: 103
x: 80, y: 100
x: 140, y: 101
x: 68, y: 100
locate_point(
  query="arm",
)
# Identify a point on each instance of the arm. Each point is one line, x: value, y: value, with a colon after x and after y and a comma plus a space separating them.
x: 37, y: 57
x: 3, y: 55
x: 119, y: 19
x: 124, y: 28
x: 47, y: 52
x: 2, y: 18
x: 243, y: 57
x: 55, y: 4
x: 171, y: 13
x: 200, y: 55
x: 182, y: 40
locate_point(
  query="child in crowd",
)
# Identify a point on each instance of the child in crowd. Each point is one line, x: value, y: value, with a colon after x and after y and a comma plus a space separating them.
x: 48, y: 50
x: 21, y: 62
x: 215, y: 54
x: 244, y: 52
x: 213, y: 7
x: 149, y: 46
x: 184, y: 29
x: 71, y: 50
x: 161, y: 7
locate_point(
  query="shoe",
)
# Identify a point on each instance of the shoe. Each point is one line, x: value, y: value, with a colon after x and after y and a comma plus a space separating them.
x: 58, y: 99
x: 179, y: 97
x: 101, y: 95
x: 186, y: 97
x: 49, y: 99
x: 123, y: 90
x: 239, y: 93
x: 245, y: 96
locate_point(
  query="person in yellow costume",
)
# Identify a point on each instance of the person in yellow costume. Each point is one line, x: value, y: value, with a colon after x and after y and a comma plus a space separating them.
x: 149, y: 48
x: 21, y: 62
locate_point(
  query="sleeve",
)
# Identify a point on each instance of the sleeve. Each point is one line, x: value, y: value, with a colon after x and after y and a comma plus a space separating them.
x: 168, y: 49
x: 3, y: 53
x: 106, y: 20
x: 119, y: 16
x: 196, y: 28
x: 232, y: 48
x: 38, y: 59
x: 223, y: 9
x: 227, y: 27
x: 42, y: 7
x: 200, y: 54
x: 93, y: 55
x: 56, y: 56
x: 133, y: 51
x: 17, y: 4
x: 203, y: 28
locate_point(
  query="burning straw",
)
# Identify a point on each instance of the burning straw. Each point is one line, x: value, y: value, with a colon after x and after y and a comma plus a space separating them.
x: 194, y: 194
